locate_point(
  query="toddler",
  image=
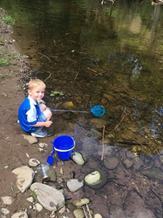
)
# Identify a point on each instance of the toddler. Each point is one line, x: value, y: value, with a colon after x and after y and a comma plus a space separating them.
x: 33, y: 117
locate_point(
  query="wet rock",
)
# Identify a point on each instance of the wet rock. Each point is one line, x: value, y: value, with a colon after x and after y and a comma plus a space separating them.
x: 111, y: 163
x: 7, y: 200
x: 78, y: 213
x: 81, y: 202
x: 75, y: 184
x: 21, y: 214
x: 128, y: 163
x: 49, y: 197
x: 78, y: 158
x: 116, y: 211
x: 153, y: 173
x: 96, y: 179
x: 25, y: 177
x: 30, y: 139
x: 33, y: 162
x: 98, y: 123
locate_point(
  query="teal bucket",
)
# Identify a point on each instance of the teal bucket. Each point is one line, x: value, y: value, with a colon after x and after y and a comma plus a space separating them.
x: 64, y: 145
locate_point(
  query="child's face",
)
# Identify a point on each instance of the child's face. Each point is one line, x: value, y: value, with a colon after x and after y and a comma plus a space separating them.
x: 37, y: 93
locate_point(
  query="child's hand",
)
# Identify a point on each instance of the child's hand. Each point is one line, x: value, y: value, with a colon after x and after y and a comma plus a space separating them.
x: 48, y: 123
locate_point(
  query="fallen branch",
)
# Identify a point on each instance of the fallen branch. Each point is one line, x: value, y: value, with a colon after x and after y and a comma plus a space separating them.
x: 120, y: 122
x: 103, y: 132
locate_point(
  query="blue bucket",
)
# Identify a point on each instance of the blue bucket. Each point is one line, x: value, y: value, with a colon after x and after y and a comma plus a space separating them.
x: 63, y: 145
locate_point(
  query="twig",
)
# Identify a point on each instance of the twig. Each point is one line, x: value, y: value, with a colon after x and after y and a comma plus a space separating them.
x: 48, y: 76
x: 120, y: 122
x: 45, y: 56
x: 103, y: 132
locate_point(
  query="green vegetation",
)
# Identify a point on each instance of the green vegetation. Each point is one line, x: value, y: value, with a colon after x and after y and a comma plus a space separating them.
x: 8, y: 20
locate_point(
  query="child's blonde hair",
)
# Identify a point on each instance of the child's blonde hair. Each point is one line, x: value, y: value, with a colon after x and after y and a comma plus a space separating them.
x: 36, y: 82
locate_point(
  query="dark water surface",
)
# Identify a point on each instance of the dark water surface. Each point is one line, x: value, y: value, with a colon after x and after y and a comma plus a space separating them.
x: 106, y: 55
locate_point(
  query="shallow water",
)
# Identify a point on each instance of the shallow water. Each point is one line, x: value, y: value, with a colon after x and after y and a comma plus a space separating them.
x: 101, y: 55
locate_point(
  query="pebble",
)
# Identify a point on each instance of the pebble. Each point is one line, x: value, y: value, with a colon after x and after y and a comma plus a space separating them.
x: 33, y: 162
x: 38, y: 207
x: 75, y: 184
x: 81, y: 202
x: 111, y: 163
x: 93, y: 178
x: 97, y: 215
x: 5, y: 211
x: 78, y: 213
x: 30, y: 199
x: 78, y: 158
x: 7, y: 200
x: 22, y: 214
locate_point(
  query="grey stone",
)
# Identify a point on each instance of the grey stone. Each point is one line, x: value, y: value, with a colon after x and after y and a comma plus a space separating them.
x: 111, y: 163
x: 75, y: 184
x: 153, y: 173
x: 7, y: 200
x: 49, y: 197
x: 128, y: 163
x: 21, y: 214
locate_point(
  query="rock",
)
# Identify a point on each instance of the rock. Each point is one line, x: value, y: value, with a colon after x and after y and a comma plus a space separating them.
x: 74, y: 184
x: 128, y: 163
x: 22, y: 214
x: 78, y: 213
x: 30, y: 199
x: 111, y: 163
x: 97, y: 215
x: 81, y: 202
x: 78, y: 158
x: 30, y: 139
x: 5, y: 211
x: 96, y: 179
x: 68, y: 105
x: 33, y: 162
x: 25, y: 177
x: 7, y: 200
x: 38, y: 207
x: 49, y: 197
x: 153, y: 173
x: 43, y: 145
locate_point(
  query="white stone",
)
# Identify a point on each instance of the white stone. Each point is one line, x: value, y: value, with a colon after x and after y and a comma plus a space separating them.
x: 22, y: 214
x: 49, y: 197
x: 25, y: 177
x: 30, y: 199
x: 97, y: 215
x: 8, y: 200
x: 93, y: 178
x: 78, y: 158
x: 38, y: 207
x: 33, y: 162
x: 74, y: 184
x: 5, y: 211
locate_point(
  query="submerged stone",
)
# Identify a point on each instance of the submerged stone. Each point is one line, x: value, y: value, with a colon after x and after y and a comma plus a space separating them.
x: 111, y: 163
x: 153, y: 173
x: 128, y: 163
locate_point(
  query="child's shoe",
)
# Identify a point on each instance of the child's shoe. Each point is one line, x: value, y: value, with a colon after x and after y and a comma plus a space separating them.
x: 40, y: 132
